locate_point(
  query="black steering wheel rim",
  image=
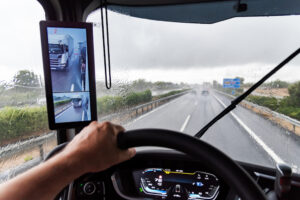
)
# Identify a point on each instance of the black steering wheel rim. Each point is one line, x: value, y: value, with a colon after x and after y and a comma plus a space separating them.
x: 220, y: 163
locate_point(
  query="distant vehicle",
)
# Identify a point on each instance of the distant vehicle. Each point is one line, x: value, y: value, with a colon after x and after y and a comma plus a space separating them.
x: 77, y: 101
x: 60, y: 50
x: 205, y: 92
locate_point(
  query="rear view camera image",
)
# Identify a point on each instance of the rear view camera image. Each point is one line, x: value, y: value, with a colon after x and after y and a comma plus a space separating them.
x: 71, y: 107
x: 69, y: 74
x: 68, y: 59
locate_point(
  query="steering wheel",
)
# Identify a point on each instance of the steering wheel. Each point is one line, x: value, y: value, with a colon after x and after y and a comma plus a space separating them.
x: 235, y: 176
x: 228, y: 169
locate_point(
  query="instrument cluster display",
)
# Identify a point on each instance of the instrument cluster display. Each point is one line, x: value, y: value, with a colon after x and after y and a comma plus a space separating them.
x: 167, y: 184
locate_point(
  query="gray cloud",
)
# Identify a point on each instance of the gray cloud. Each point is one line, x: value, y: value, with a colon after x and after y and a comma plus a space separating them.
x: 145, y: 44
x: 139, y: 43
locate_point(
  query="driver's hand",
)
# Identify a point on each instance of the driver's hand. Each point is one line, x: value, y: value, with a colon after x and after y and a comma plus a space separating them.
x: 95, y: 148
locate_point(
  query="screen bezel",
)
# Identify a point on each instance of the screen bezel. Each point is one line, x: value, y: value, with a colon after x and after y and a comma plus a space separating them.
x: 47, y: 72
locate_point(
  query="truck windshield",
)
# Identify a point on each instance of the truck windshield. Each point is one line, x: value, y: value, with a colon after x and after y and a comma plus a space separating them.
x: 206, y: 65
x: 76, y: 100
x: 55, y: 49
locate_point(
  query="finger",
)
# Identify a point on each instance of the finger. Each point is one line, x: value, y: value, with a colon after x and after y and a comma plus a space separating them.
x: 132, y: 152
x: 107, y: 126
x: 127, y: 154
x: 93, y: 123
x: 118, y: 129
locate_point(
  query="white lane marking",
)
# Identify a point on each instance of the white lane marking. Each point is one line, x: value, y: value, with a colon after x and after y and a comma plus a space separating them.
x: 60, y: 114
x: 271, y: 153
x: 185, y: 123
x: 82, y: 116
x: 78, y: 82
x: 72, y: 87
x: 152, y: 111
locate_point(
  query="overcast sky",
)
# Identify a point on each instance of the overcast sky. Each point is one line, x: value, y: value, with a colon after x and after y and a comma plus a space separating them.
x: 153, y: 50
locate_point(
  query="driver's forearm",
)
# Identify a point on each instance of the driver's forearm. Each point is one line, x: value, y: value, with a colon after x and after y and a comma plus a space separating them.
x: 43, y: 181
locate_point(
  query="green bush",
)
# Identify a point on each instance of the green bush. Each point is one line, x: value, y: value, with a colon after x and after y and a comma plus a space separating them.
x: 269, y: 102
x: 283, y: 106
x: 171, y: 93
x: 293, y: 112
x: 109, y: 104
x: 57, y: 103
x: 17, y: 122
x: 135, y: 98
x: 294, y: 91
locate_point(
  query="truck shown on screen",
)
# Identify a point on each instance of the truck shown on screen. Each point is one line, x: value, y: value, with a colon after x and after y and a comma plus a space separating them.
x: 80, y: 101
x: 60, y: 50
x: 77, y: 101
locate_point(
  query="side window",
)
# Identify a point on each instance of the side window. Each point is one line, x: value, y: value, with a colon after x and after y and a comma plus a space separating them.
x: 24, y: 135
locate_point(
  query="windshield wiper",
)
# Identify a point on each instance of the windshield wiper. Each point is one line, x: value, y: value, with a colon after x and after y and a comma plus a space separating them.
x: 245, y: 94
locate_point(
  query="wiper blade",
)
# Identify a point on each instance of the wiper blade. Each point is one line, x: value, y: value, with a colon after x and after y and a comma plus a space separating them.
x: 245, y: 94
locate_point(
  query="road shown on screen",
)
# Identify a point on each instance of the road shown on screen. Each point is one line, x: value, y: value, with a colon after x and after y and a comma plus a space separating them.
x: 68, y: 80
x: 72, y: 114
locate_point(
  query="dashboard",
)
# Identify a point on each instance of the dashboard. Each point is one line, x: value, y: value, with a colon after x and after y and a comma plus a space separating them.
x: 166, y: 175
x: 176, y: 184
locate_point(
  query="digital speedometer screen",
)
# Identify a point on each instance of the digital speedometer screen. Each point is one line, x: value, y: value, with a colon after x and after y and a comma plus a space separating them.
x: 161, y: 183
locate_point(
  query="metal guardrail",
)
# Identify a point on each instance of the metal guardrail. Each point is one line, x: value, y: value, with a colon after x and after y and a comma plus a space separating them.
x: 295, y: 123
x: 20, y: 147
x: 8, y: 174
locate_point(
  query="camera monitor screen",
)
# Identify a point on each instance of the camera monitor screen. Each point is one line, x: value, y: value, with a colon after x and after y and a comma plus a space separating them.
x: 69, y: 73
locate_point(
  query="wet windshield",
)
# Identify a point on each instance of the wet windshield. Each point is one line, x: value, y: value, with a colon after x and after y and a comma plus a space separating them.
x: 166, y: 75
x: 55, y: 49
x: 203, y: 67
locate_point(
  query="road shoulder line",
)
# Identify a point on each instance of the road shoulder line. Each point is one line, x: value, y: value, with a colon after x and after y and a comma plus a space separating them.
x: 270, y: 152
x: 72, y: 87
x: 82, y: 115
x: 59, y: 114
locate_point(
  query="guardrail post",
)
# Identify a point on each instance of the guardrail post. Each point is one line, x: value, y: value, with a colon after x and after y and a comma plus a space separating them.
x: 41, y: 151
x: 294, y: 128
x: 142, y: 110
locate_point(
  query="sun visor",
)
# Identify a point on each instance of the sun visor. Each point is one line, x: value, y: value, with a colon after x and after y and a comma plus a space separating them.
x: 205, y: 12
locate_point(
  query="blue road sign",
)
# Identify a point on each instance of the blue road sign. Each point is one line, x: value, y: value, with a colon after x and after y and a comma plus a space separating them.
x: 231, y: 83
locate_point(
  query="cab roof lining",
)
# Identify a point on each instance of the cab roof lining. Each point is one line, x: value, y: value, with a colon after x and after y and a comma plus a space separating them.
x: 186, y: 11
x: 157, y: 2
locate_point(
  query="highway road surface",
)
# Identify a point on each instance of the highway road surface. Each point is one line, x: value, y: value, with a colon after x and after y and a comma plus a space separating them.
x: 242, y: 134
x: 68, y: 80
x: 72, y: 114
